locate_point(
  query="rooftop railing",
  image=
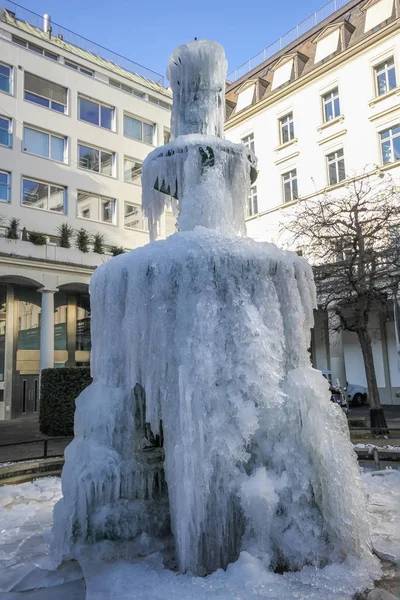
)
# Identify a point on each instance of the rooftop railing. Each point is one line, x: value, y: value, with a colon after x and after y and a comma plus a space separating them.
x: 36, y: 20
x: 317, y: 17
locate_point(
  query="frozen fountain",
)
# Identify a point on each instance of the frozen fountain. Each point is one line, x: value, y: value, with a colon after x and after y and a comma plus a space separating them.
x: 205, y: 424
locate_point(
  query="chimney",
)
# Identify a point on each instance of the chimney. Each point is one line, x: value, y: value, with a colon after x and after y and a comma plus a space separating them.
x: 47, y: 24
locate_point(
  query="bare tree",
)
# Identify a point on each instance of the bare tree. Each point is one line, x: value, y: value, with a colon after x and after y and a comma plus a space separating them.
x: 352, y: 238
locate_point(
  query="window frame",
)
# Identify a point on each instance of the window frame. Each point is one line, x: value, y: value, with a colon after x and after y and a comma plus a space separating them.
x: 100, y: 106
x: 286, y: 121
x: 49, y: 184
x: 335, y: 161
x: 50, y: 135
x: 290, y: 180
x: 326, y: 101
x: 251, y: 201
x: 136, y: 160
x: 141, y: 217
x: 385, y: 70
x: 100, y: 151
x: 100, y: 198
x: 35, y: 48
x: 248, y: 141
x: 10, y: 78
x: 142, y: 121
x: 390, y: 138
x: 9, y: 131
x: 49, y: 107
x: 77, y: 67
x: 8, y: 186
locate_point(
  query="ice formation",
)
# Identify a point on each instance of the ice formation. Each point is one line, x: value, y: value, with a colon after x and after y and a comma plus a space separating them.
x: 205, y: 418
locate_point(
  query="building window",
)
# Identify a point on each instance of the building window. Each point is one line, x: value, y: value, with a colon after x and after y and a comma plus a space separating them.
x: 132, y: 170
x: 43, y: 92
x: 336, y: 171
x: 139, y: 130
x: 289, y: 182
x: 6, y: 78
x: 133, y: 217
x: 97, y: 208
x: 45, y: 144
x: 5, y: 186
x: 46, y: 196
x: 390, y: 144
x: 126, y: 88
x: 96, y: 113
x: 331, y: 105
x: 93, y: 159
x: 5, y: 132
x: 35, y: 48
x: 155, y: 100
x: 167, y: 135
x: 286, y: 128
x: 72, y: 65
x: 252, y: 204
x: 385, y: 76
x: 248, y: 141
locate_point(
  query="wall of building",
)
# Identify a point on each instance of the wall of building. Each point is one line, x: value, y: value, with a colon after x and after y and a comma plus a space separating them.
x: 22, y: 164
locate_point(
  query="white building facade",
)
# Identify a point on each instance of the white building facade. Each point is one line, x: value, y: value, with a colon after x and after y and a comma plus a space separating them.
x: 74, y: 131
x: 323, y: 108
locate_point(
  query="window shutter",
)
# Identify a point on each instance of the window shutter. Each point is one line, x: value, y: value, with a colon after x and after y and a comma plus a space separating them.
x: 47, y: 89
x: 282, y: 74
x: 328, y: 45
x: 378, y: 13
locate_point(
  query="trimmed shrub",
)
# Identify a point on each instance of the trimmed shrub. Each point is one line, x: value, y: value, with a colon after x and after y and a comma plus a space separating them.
x: 59, y: 389
x: 98, y: 243
x: 37, y: 238
x: 82, y: 240
x: 117, y: 250
x: 65, y: 233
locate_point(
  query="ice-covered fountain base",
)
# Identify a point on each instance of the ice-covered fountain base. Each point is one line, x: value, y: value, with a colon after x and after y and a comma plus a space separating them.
x: 214, y: 332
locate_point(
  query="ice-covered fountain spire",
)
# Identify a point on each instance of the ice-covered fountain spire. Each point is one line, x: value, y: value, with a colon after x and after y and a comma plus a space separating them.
x: 207, y: 176
x: 197, y: 72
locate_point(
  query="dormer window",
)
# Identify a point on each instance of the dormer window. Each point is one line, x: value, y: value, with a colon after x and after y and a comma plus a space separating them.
x: 377, y: 12
x: 245, y: 97
x: 327, y: 45
x: 287, y: 68
x: 283, y: 73
x: 331, y: 39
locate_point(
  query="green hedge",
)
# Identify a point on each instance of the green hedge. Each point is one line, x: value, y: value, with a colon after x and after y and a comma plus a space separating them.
x: 59, y: 389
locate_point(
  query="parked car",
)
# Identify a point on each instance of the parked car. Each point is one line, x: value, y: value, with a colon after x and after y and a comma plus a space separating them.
x: 356, y: 394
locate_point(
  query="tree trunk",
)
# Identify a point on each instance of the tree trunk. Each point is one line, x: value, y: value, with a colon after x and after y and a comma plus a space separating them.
x: 377, y: 416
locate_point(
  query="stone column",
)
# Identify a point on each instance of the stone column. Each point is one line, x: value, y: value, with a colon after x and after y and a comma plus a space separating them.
x: 9, y: 362
x: 336, y: 350
x: 47, y: 329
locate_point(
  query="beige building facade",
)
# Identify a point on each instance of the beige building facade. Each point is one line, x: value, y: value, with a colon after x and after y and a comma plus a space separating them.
x: 321, y: 110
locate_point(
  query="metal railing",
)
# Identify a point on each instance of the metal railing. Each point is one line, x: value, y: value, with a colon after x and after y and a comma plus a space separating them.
x: 18, y: 451
x: 36, y: 20
x: 317, y: 17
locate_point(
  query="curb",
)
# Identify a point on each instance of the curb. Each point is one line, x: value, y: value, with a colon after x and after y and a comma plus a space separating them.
x: 27, y: 471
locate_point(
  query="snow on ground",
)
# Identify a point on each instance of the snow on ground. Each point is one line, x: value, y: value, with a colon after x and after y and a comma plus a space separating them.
x: 25, y: 528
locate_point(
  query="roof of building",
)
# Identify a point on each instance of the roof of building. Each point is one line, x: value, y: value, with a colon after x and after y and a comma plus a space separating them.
x: 351, y: 16
x: 59, y: 42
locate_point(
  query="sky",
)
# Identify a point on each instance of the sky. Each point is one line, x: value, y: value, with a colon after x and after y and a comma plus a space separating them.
x: 147, y: 31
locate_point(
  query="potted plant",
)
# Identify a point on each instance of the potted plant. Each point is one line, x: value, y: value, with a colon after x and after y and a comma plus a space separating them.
x: 37, y: 238
x: 116, y: 250
x: 98, y: 243
x: 12, y: 229
x: 65, y: 233
x: 82, y: 240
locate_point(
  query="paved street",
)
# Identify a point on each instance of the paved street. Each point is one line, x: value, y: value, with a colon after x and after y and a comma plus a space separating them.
x: 23, y: 430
